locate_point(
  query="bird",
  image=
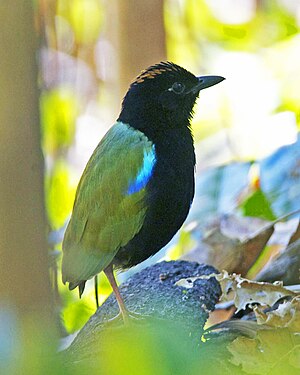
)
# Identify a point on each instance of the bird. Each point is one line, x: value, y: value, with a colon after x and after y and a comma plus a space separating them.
x: 138, y: 185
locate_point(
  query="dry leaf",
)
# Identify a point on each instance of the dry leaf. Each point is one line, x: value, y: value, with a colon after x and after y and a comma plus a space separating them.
x: 248, y: 292
x: 287, y: 314
x: 232, y: 243
x: 245, y: 292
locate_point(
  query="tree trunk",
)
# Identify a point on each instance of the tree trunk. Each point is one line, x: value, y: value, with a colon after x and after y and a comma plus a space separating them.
x: 141, y: 37
x: 24, y: 279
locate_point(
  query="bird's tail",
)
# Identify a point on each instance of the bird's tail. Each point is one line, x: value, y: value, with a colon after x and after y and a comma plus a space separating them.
x: 80, y: 285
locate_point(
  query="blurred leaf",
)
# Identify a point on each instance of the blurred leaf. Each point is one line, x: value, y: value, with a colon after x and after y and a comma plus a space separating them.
x: 271, y: 352
x: 142, y: 349
x: 59, y: 110
x: 77, y: 313
x: 217, y: 190
x: 286, y: 71
x: 86, y: 18
x: 184, y: 243
x: 60, y: 193
x: 257, y: 205
x: 279, y: 178
x: 197, y: 21
x: 203, y: 20
x: 230, y: 242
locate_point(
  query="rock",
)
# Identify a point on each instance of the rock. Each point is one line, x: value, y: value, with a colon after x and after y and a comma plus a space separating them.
x: 153, y: 294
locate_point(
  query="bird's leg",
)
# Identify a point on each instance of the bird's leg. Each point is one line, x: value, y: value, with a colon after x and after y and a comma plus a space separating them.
x: 96, y: 291
x: 111, y: 278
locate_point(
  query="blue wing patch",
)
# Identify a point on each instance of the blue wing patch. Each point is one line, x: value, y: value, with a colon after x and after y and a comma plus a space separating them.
x: 144, y: 173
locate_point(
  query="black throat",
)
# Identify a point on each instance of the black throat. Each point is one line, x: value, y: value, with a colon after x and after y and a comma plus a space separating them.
x: 157, y: 123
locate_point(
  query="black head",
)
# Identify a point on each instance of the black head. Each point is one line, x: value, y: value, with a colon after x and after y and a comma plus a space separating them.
x: 163, y: 96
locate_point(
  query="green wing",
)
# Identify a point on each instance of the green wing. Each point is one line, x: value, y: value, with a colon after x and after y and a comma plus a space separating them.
x: 105, y: 217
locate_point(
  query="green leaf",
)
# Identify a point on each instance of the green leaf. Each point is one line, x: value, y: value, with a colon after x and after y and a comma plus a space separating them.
x: 257, y: 205
x: 77, y: 313
x: 273, y: 352
x: 59, y: 110
x: 86, y: 18
x: 60, y: 193
x: 184, y: 244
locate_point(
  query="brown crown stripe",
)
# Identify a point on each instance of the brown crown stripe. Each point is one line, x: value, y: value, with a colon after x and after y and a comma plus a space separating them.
x: 150, y: 74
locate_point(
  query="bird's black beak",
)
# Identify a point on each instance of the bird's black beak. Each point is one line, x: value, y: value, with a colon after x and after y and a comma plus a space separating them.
x: 206, y: 81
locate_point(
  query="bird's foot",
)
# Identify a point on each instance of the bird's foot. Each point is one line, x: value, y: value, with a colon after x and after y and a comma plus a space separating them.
x: 126, y: 318
x: 133, y: 318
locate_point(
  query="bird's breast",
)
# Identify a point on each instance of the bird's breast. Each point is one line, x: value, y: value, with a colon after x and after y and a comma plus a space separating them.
x: 171, y: 188
x: 169, y: 194
x: 173, y: 173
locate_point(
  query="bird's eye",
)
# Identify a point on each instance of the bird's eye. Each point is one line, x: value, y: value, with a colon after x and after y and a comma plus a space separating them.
x: 178, y: 88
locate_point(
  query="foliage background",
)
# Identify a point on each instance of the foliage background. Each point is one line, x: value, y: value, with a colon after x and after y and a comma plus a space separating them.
x: 254, y: 44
